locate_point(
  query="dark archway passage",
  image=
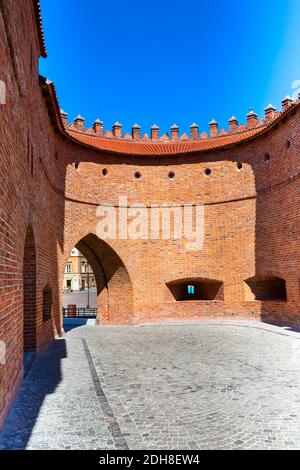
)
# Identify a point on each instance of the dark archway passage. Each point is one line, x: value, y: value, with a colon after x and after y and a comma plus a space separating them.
x: 29, y: 292
x: 114, y: 288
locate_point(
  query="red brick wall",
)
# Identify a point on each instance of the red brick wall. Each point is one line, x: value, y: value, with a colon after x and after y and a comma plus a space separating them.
x: 29, y: 292
x: 25, y: 194
x: 244, y: 233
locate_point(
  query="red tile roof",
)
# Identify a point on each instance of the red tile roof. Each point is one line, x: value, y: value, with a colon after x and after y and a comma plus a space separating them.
x: 148, y: 147
x: 155, y: 148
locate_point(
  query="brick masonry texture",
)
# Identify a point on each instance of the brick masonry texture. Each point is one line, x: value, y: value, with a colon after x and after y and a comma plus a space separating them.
x: 51, y: 183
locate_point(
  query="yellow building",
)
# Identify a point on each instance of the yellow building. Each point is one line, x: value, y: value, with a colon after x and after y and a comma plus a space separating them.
x: 78, y: 273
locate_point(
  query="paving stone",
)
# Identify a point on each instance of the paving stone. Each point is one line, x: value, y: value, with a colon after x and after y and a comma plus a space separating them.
x: 202, y: 385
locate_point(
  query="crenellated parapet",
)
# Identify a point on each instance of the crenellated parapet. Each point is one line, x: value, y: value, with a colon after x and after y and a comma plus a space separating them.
x: 252, y: 122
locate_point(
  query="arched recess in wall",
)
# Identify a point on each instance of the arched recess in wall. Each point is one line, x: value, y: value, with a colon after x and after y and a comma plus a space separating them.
x: 265, y: 288
x: 196, y: 289
x: 113, y: 283
x: 29, y: 291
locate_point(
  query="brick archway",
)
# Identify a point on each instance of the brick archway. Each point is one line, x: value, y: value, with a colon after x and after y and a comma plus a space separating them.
x: 29, y: 292
x: 114, y: 287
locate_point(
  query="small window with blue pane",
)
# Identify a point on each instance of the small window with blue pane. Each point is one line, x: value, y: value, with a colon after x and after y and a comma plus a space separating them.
x: 191, y: 290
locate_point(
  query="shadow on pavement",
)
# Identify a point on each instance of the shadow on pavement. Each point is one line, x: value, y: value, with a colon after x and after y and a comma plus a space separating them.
x: 284, y: 325
x: 41, y: 380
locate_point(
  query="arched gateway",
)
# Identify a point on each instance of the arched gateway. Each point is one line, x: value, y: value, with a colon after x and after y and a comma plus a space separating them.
x: 113, y: 283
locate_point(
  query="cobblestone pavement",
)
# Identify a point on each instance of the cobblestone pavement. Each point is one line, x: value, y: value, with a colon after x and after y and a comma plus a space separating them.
x: 208, y: 385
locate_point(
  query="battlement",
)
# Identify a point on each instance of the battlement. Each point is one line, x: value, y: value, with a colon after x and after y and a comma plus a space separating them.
x: 234, y: 128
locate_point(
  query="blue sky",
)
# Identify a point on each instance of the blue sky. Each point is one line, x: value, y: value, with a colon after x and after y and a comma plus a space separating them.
x: 169, y: 62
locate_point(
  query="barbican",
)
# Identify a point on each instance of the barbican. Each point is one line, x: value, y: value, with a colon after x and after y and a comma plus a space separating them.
x: 59, y: 171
